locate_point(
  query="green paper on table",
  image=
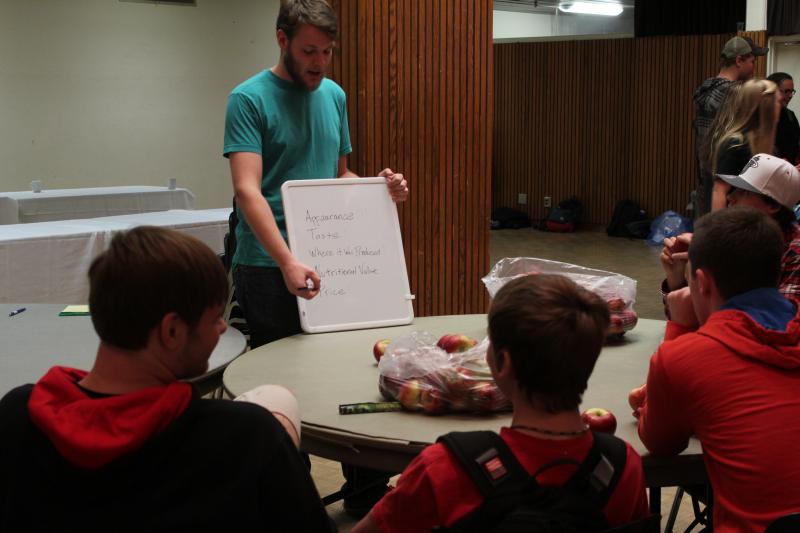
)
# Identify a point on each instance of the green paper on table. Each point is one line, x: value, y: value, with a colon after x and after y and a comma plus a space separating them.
x: 75, y: 310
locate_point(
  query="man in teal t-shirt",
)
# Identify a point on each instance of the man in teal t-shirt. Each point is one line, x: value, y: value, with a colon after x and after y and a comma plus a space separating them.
x: 288, y: 123
x: 285, y: 123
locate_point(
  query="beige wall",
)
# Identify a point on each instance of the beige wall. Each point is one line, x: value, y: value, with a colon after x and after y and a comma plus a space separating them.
x: 109, y: 92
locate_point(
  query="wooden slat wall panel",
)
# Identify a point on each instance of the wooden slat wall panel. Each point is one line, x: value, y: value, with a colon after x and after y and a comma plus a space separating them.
x: 419, y: 83
x: 603, y: 120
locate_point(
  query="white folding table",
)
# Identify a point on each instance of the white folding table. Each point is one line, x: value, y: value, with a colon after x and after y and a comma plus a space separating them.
x: 89, y: 202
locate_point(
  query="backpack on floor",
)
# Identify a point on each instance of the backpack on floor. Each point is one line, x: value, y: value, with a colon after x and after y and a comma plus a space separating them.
x: 628, y: 220
x: 565, y: 217
x: 514, y: 501
x: 507, y: 218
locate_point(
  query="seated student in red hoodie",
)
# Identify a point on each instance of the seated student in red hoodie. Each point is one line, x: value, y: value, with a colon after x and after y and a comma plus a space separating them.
x: 129, y: 447
x: 728, y: 371
x: 546, y: 334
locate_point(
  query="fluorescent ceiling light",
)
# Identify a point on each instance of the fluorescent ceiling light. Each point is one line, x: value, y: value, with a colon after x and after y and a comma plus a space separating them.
x: 608, y: 9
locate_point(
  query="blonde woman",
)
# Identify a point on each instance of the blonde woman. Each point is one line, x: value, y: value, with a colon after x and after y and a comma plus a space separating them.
x: 744, y: 126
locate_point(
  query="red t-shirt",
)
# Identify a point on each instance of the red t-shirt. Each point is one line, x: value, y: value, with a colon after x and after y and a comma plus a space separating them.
x: 434, y: 489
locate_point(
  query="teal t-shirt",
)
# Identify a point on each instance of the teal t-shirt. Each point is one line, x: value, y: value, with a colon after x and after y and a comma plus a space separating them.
x: 299, y: 134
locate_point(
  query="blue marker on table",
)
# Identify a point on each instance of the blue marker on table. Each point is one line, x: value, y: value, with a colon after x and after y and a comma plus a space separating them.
x: 16, y: 311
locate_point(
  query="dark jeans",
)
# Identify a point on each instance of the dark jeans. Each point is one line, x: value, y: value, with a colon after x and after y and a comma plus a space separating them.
x: 271, y: 314
x: 269, y: 308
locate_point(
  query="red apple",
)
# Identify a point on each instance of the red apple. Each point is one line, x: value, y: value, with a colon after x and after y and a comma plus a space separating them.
x: 616, y: 304
x: 482, y: 396
x: 599, y: 419
x: 636, y: 399
x: 389, y: 387
x: 432, y: 402
x: 380, y: 348
x: 409, y: 395
x: 456, y: 342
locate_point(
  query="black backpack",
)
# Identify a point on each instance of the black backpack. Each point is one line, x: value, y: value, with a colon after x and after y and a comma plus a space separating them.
x: 566, y: 216
x: 507, y: 218
x: 514, y: 501
x: 628, y: 220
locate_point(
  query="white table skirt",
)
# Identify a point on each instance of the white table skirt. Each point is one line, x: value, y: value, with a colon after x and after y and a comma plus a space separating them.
x: 90, y: 202
x: 47, y: 262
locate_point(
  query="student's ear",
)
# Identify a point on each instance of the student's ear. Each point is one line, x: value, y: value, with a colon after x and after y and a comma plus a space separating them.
x: 502, y: 362
x: 172, y: 331
x: 771, y: 208
x: 705, y: 281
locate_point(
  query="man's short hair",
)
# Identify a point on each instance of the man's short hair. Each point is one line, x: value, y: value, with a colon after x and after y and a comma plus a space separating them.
x: 553, y: 331
x: 146, y: 273
x: 317, y: 13
x: 741, y: 247
x: 779, y: 77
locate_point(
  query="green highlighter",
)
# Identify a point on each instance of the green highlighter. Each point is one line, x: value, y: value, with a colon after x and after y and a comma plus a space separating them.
x: 368, y: 407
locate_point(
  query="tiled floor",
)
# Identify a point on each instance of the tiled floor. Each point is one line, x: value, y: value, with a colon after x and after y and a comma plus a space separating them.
x: 590, y: 247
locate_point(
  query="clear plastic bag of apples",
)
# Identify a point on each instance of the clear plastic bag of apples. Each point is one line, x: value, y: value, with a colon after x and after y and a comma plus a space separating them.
x: 617, y: 290
x: 437, y: 376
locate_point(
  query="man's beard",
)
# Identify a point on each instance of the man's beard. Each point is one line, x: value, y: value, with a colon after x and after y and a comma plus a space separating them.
x: 297, y: 77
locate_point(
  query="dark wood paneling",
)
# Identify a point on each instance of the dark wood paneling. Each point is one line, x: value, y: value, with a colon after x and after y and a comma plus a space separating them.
x: 419, y: 83
x: 603, y: 120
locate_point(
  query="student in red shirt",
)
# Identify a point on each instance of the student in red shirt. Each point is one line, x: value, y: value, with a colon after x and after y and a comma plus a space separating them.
x: 546, y: 334
x: 728, y: 372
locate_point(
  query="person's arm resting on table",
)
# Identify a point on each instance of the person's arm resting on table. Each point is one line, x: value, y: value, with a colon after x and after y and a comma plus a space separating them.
x: 246, y: 171
x: 664, y: 425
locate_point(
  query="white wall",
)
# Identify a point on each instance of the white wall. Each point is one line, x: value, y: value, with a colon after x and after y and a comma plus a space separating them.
x: 515, y: 25
x: 756, y: 15
x: 511, y: 26
x: 109, y: 92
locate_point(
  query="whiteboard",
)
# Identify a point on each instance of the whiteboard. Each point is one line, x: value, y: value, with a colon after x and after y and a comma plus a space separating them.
x: 347, y: 230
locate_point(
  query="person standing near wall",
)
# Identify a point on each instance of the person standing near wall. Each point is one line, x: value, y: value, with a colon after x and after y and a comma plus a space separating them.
x: 787, y: 135
x: 287, y: 123
x: 737, y: 63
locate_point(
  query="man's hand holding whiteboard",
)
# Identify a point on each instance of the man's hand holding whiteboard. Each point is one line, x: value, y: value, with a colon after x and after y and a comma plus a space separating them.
x: 347, y: 230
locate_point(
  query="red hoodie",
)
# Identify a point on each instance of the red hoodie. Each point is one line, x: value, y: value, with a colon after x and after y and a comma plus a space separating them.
x: 91, y: 432
x: 736, y: 386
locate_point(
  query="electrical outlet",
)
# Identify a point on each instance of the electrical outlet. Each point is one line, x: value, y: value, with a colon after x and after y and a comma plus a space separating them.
x: 548, y: 201
x: 522, y: 198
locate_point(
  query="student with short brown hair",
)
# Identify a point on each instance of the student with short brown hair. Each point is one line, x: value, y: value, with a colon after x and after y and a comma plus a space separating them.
x: 545, y: 336
x: 728, y: 370
x: 127, y: 446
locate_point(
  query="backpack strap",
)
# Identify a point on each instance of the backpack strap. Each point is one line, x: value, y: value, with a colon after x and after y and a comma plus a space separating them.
x: 488, y: 460
x: 598, y: 475
x: 504, y: 483
x: 495, y: 471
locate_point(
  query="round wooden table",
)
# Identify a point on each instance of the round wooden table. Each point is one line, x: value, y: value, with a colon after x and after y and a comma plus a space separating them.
x: 328, y: 369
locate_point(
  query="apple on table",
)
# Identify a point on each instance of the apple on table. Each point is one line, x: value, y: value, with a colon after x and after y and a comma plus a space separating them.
x: 599, y: 419
x: 380, y: 348
x: 456, y: 342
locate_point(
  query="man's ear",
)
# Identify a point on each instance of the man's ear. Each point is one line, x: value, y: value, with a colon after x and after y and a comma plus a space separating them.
x: 172, y: 331
x: 283, y: 39
x: 706, y: 283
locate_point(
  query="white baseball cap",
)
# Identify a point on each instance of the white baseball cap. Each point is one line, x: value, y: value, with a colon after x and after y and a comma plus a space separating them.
x: 771, y: 176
